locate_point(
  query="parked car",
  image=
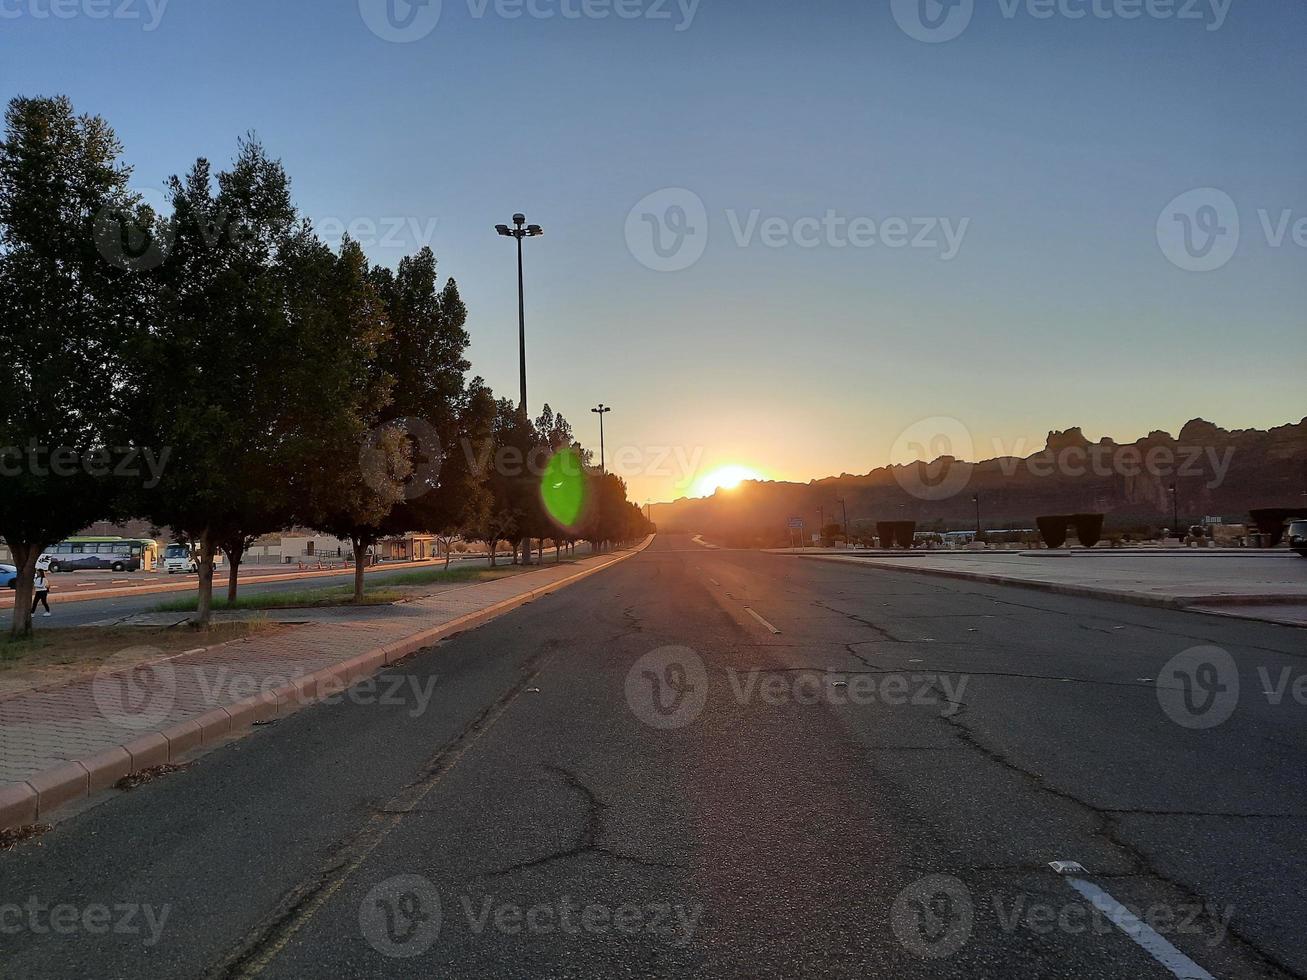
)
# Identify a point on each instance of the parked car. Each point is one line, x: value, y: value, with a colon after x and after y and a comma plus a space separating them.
x: 8, y: 576
x: 1298, y: 538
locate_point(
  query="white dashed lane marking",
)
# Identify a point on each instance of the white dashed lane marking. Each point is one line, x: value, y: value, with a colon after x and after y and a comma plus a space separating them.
x: 1148, y: 939
x: 751, y: 612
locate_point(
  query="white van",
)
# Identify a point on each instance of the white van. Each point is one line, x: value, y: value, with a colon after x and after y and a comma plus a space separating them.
x: 180, y: 558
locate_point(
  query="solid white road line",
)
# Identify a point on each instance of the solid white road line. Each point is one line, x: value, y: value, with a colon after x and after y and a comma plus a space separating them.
x: 764, y: 622
x: 1152, y: 943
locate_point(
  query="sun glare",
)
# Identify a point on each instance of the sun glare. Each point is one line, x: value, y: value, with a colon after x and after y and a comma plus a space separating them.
x: 724, y: 478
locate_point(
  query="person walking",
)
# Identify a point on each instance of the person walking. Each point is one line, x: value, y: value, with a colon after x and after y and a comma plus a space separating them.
x: 41, y: 592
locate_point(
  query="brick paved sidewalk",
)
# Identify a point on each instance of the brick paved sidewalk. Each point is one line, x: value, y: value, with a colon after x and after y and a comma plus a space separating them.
x: 60, y: 743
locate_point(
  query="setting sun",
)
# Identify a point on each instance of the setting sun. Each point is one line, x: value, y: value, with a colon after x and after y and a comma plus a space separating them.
x: 724, y: 478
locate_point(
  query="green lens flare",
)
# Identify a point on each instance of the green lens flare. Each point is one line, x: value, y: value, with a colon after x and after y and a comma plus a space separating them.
x: 562, y: 487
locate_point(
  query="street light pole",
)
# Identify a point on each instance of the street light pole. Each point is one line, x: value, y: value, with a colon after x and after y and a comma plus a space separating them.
x: 976, y: 499
x: 519, y: 231
x: 1175, y: 509
x: 846, y: 522
x: 521, y: 324
x: 601, y: 411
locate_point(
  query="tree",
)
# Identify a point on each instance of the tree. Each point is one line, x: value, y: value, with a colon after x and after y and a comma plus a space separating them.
x: 223, y: 372
x: 553, y: 436
x: 465, y: 472
x: 409, y: 476
x: 71, y: 301
x: 506, y: 481
x: 355, y: 466
x: 432, y: 400
x: 357, y: 499
x: 610, y: 517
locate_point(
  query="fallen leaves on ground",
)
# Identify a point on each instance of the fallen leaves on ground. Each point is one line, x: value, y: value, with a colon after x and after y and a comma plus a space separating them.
x: 142, y: 776
x: 13, y: 836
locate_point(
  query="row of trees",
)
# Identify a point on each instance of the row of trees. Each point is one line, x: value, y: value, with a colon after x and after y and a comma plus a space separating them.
x: 275, y: 380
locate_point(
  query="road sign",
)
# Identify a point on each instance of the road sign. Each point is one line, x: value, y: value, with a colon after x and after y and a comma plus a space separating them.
x: 796, y: 522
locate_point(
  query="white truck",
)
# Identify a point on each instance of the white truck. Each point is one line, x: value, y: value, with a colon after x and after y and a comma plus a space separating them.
x: 181, y: 558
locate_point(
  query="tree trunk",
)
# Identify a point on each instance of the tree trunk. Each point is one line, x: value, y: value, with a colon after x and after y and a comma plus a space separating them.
x: 540, y: 551
x: 233, y: 569
x: 204, y: 600
x: 448, y: 548
x: 360, y: 563
x: 235, y: 552
x: 25, y: 556
x: 492, y: 546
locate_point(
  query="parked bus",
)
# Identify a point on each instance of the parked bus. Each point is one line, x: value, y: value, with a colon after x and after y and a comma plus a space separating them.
x: 90, y: 554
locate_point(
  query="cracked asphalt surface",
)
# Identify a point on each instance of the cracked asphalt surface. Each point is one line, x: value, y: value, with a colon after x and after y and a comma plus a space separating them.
x: 635, y: 777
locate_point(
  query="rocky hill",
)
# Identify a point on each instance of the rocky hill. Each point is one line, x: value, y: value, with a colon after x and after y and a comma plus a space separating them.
x: 1215, y: 471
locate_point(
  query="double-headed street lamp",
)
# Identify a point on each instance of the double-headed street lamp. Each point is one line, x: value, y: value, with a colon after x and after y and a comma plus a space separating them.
x: 519, y: 231
x: 601, y: 411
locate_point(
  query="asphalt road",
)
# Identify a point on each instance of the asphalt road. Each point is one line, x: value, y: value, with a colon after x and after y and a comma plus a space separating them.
x: 875, y: 791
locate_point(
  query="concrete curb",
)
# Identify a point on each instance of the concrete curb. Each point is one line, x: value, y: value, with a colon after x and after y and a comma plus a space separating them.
x: 1197, y: 603
x: 40, y: 794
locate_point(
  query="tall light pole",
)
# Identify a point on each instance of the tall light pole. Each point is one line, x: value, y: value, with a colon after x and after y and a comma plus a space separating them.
x: 976, y: 499
x: 846, y: 522
x: 519, y: 231
x: 1175, y: 509
x: 601, y: 411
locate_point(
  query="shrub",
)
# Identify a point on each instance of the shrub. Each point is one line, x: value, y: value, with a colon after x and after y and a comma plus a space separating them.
x: 1053, y: 530
x: 885, y: 531
x: 903, y: 532
x: 1089, y: 529
x: 1270, y: 520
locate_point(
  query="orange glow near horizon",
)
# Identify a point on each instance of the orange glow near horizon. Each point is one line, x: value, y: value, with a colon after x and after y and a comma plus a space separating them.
x: 723, y: 478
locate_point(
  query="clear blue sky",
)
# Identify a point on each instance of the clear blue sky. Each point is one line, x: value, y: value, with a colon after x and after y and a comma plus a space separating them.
x: 1060, y: 141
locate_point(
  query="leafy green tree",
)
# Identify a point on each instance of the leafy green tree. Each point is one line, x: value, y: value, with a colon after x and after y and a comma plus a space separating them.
x: 223, y: 372
x: 70, y: 304
x: 610, y: 517
x: 425, y: 354
x: 410, y: 475
x: 355, y: 464
x: 466, y: 469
